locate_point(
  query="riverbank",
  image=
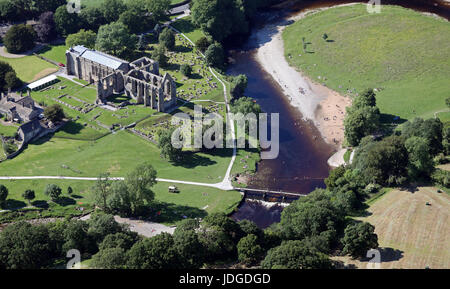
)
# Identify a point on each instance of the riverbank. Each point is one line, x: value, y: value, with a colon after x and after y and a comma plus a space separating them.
x: 316, y: 102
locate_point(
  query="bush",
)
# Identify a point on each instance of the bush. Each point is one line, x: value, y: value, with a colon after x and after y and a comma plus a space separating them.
x: 202, y: 44
x: 215, y: 55
x: 20, y: 38
x: 53, y: 191
x: 186, y: 70
x: 441, y: 177
x: 54, y: 113
x: 249, y: 251
x: 167, y: 39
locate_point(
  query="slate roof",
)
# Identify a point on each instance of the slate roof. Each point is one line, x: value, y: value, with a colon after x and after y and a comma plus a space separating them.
x: 99, y: 57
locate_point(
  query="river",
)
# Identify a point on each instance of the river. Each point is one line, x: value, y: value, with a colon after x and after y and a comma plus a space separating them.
x: 302, y: 163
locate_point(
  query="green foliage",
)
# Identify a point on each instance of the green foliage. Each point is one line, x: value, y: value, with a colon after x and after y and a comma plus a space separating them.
x: 158, y: 9
x: 189, y: 248
x: 153, y: 253
x: 23, y: 246
x: 83, y: 37
x: 220, y: 19
x: 19, y: 38
x: 66, y: 23
x: 441, y: 178
x: 69, y: 190
x: 112, y: 9
x: 6, y: 76
x: 202, y: 43
x: 215, y: 56
x: 54, y: 113
x: 186, y: 70
x: 167, y: 39
x: 159, y: 54
x: 115, y: 38
x: 3, y: 195
x: 29, y: 195
x: 136, y: 21
x: 358, y: 239
x: 420, y: 161
x: 360, y: 122
x: 249, y: 251
x: 246, y: 105
x: 109, y: 258
x: 101, y: 225
x: 123, y: 240
x: 295, y: 255
x: 239, y: 84
x: 53, y: 191
x: 430, y: 129
x: 92, y: 18
x: 168, y: 151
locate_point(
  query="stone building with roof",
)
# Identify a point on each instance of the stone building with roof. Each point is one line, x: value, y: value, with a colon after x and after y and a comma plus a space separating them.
x: 139, y: 79
x: 18, y: 108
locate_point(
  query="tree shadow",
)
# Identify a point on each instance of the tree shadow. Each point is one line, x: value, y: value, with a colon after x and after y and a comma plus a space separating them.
x: 172, y: 213
x: 65, y: 201
x: 15, y: 204
x: 386, y: 255
x: 72, y: 128
x: 76, y: 196
x: 192, y: 160
x: 182, y: 49
x: 40, y: 204
x: 330, y: 40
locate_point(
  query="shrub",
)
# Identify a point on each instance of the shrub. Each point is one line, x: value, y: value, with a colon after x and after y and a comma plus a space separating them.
x: 186, y: 70
x: 19, y: 38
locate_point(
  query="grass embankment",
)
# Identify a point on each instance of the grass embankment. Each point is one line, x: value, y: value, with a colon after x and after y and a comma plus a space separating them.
x: 401, y: 52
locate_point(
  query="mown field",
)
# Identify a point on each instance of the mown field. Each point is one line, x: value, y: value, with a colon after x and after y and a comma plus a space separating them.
x: 30, y: 68
x: 411, y: 234
x: 402, y: 53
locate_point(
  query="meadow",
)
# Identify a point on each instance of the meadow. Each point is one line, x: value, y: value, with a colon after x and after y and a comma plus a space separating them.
x: 402, y: 53
x: 30, y: 68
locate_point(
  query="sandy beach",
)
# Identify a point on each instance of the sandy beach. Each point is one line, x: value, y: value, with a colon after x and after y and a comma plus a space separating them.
x: 323, y: 106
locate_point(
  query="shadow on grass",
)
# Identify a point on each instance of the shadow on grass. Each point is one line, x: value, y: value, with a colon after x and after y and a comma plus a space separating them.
x: 191, y: 160
x: 40, y: 204
x: 172, y: 213
x: 182, y: 49
x: 15, y: 204
x: 65, y: 201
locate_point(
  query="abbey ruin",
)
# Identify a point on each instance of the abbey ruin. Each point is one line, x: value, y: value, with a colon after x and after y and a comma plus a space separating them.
x: 139, y: 80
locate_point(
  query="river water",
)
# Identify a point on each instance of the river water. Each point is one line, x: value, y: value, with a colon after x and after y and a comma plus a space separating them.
x: 302, y: 163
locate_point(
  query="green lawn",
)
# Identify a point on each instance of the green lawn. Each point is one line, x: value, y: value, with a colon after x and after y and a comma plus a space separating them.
x: 116, y: 153
x: 30, y: 68
x: 55, y: 52
x: 185, y: 26
x: 191, y: 201
x: 7, y: 130
x: 401, y: 52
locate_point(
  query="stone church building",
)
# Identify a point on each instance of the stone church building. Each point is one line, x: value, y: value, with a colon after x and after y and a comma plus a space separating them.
x: 139, y: 79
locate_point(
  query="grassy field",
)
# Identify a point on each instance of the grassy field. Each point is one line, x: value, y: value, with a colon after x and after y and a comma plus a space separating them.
x: 116, y: 153
x: 30, y: 68
x: 54, y: 52
x: 7, y: 130
x: 402, y: 53
x: 192, y: 201
x: 410, y: 233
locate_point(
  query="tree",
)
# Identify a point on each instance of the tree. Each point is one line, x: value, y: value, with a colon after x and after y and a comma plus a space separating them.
x: 69, y: 190
x: 19, y: 38
x: 249, y: 251
x: 153, y: 253
x: 295, y: 255
x: 7, y: 75
x: 101, y: 225
x: 53, y: 191
x: 29, y: 195
x: 92, y: 18
x: 325, y: 36
x: 112, y: 9
x: 45, y: 30
x: 124, y: 240
x: 430, y: 129
x: 228, y: 225
x: 101, y: 190
x: 358, y: 239
x: 75, y: 236
x: 82, y: 37
x: 158, y: 9
x: 215, y: 55
x: 219, y: 18
x: 159, y: 54
x: 48, y: 5
x: 136, y: 21
x: 420, y: 161
x: 66, y: 23
x: 167, y: 39
x: 366, y: 98
x: 54, y: 113
x: 139, y: 183
x: 447, y: 101
x: 246, y: 105
x: 115, y: 38
x: 186, y: 70
x: 360, y: 122
x: 168, y: 151
x: 239, y: 84
x: 3, y: 196
x: 202, y: 43
x: 189, y: 249
x: 23, y: 246
x: 109, y: 258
